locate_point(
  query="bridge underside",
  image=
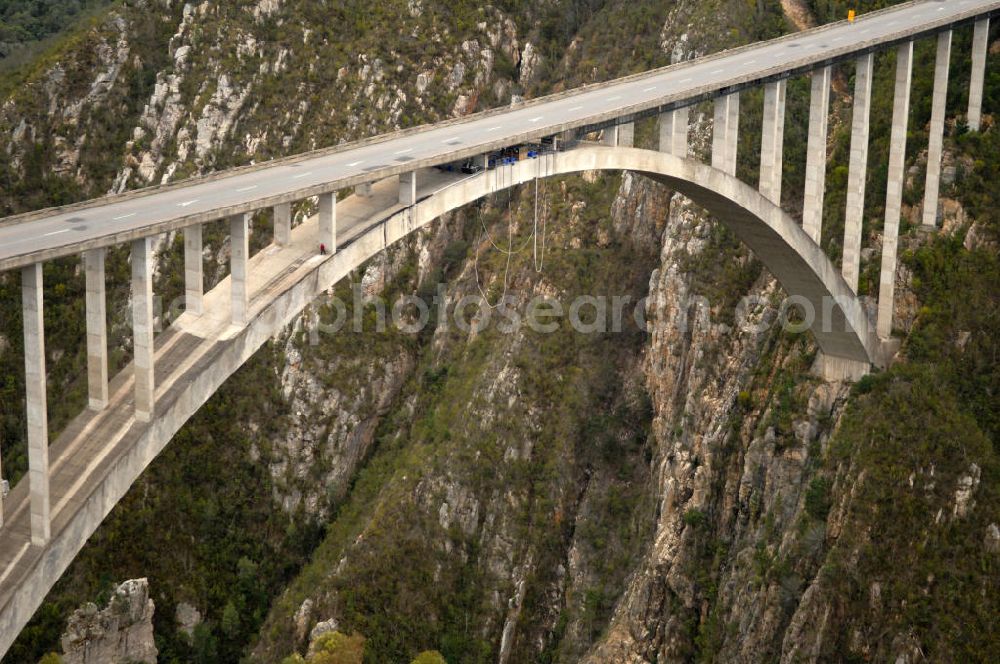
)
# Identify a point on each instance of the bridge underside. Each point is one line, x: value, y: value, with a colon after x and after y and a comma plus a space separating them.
x: 99, y: 456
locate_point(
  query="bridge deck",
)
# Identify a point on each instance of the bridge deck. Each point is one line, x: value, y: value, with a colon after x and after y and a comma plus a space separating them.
x: 48, y: 234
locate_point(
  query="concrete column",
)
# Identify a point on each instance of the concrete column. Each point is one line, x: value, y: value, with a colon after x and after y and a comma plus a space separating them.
x: 819, y: 120
x: 283, y: 224
x: 894, y: 193
x: 725, y: 133
x: 194, y: 270
x: 97, y: 329
x: 408, y: 188
x: 674, y: 131
x: 239, y: 255
x: 482, y: 161
x: 772, y: 140
x: 142, y: 328
x: 328, y: 221
x: 932, y: 189
x: 626, y: 135
x: 38, y: 420
x: 980, y: 44
x: 609, y: 136
x: 857, y: 175
x: 733, y: 135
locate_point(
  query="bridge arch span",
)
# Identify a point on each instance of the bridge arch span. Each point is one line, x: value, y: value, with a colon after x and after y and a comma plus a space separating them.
x: 840, y: 326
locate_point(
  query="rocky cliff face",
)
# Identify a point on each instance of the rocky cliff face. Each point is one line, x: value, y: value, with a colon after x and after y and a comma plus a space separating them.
x: 120, y: 633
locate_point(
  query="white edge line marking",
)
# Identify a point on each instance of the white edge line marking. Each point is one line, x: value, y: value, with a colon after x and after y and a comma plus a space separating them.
x: 124, y: 216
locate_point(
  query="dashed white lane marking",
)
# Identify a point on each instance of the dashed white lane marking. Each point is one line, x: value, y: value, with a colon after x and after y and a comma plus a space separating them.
x: 65, y: 230
x: 403, y: 151
x: 493, y: 128
x: 302, y: 175
x: 536, y: 119
x: 649, y: 89
x: 124, y: 216
x: 187, y: 203
x: 242, y: 189
x: 355, y: 163
x: 575, y: 108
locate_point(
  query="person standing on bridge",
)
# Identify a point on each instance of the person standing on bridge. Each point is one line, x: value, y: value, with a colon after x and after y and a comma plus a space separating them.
x: 322, y: 249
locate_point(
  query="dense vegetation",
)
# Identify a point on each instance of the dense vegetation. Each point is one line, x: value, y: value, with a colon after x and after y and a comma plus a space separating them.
x: 25, y: 25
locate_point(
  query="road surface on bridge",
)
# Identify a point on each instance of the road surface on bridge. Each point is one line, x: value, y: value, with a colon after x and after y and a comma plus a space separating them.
x: 39, y: 236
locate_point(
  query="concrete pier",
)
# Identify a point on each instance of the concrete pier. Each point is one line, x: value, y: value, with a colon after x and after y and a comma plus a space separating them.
x: 819, y: 121
x: 194, y: 270
x: 408, y: 188
x: 97, y: 328
x: 858, y: 174
x: 932, y: 189
x: 725, y: 133
x: 894, y: 192
x: 38, y: 418
x: 609, y: 136
x: 980, y: 45
x: 142, y: 328
x: 772, y: 140
x: 626, y: 135
x: 283, y: 224
x: 239, y: 238
x: 674, y: 129
x: 328, y: 220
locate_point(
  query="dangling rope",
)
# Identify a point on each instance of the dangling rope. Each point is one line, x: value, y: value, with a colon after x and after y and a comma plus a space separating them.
x: 538, y: 261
